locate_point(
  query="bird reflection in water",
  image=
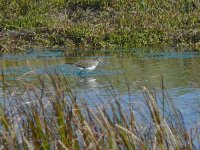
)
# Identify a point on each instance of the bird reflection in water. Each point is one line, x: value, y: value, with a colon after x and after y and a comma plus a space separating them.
x: 87, y: 83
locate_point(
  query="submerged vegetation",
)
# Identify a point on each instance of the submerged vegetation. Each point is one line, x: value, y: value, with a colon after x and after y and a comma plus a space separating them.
x: 46, y: 113
x: 97, y: 24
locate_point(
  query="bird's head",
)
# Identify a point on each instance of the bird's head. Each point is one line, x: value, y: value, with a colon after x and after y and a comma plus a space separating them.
x: 99, y: 59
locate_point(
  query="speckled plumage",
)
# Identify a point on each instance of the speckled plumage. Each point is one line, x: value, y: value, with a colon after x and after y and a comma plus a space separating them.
x: 89, y: 64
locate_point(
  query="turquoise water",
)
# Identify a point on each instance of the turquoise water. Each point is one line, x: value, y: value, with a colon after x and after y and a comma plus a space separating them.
x: 179, y: 70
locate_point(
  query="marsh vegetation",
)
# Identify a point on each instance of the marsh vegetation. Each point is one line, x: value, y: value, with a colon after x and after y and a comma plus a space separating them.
x: 38, y: 117
x: 98, y: 24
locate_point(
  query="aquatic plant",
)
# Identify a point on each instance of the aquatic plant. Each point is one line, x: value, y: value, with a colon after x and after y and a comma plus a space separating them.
x: 45, y: 113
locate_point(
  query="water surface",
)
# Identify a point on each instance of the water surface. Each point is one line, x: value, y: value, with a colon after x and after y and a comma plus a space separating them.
x: 123, y: 72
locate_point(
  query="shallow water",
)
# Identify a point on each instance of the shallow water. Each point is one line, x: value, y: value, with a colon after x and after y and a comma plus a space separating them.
x: 179, y: 71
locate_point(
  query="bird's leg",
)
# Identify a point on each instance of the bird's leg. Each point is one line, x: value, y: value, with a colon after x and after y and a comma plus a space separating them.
x: 80, y: 73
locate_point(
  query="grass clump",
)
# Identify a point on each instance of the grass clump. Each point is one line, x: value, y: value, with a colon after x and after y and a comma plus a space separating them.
x: 44, y: 114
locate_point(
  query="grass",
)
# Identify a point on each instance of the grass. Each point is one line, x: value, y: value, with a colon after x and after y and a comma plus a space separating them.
x: 46, y: 113
x: 98, y: 24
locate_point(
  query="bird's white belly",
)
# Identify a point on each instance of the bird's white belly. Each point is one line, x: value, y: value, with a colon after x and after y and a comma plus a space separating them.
x: 91, y: 68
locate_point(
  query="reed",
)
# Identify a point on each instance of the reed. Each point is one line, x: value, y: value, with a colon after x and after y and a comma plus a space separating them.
x: 46, y: 113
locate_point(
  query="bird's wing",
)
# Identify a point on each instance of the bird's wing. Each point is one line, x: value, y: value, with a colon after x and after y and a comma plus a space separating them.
x: 80, y: 64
